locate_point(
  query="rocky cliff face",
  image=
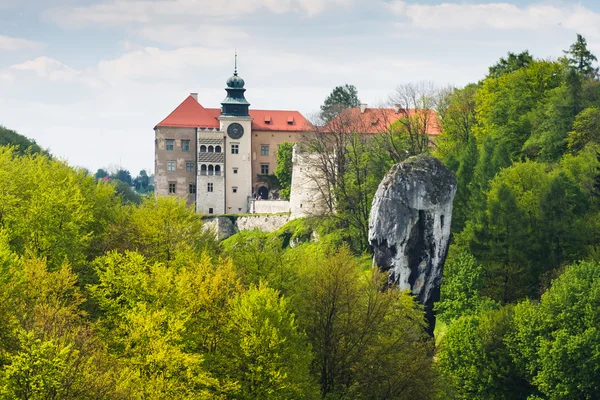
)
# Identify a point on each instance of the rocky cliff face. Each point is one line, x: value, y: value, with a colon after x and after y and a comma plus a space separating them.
x: 409, y: 227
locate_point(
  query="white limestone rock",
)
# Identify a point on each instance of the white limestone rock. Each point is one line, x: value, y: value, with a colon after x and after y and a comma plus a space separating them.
x: 409, y: 226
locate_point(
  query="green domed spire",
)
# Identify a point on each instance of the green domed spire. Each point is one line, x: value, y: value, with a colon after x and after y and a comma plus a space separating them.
x: 235, y: 103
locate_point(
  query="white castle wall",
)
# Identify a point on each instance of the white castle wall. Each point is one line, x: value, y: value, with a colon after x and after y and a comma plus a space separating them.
x: 269, y: 206
x: 306, y: 196
x: 225, y: 227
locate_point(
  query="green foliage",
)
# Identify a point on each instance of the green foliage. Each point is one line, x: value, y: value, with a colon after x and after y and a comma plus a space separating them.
x: 474, y: 355
x: 504, y: 104
x: 363, y: 338
x: 124, y: 191
x: 460, y: 292
x: 161, y: 228
x: 283, y: 171
x: 510, y: 64
x: 341, y: 97
x: 581, y: 59
x: 50, y: 209
x: 263, y: 349
x: 557, y: 342
x: 124, y: 176
x: 101, y: 174
x: 586, y: 129
x: 20, y: 143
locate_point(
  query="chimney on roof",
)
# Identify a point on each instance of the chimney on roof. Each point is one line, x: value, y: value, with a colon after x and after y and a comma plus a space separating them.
x: 363, y: 107
x: 399, y: 108
x: 194, y: 95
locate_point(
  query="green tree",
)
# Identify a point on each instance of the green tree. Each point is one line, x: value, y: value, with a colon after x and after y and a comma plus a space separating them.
x: 264, y: 351
x: 367, y: 342
x: 504, y: 104
x: 163, y: 320
x: 340, y: 98
x: 473, y: 354
x: 460, y: 292
x: 557, y: 342
x: 283, y: 170
x: 101, y: 173
x: 562, y: 204
x: 586, y: 129
x: 53, y: 352
x: 510, y: 64
x: 581, y: 58
x: 50, y: 209
x: 163, y: 227
x: 124, y: 176
x: 22, y: 144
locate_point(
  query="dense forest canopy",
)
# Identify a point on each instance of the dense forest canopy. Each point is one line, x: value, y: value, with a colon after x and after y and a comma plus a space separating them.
x: 108, y: 297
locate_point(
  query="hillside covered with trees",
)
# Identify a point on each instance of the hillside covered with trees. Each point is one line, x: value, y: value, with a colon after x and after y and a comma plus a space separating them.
x: 104, y: 298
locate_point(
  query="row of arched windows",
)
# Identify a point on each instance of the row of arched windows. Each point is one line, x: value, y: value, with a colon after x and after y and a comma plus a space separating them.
x: 210, y: 169
x: 210, y: 149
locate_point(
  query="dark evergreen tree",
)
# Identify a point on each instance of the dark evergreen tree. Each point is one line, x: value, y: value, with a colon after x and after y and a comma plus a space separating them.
x: 124, y: 176
x: 101, y: 173
x: 581, y: 58
x: 340, y: 98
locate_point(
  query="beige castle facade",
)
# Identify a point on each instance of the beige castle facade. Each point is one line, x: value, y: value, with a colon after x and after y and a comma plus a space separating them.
x: 220, y: 158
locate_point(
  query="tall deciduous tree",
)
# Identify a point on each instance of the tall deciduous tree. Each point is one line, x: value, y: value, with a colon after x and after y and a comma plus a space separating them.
x: 367, y: 342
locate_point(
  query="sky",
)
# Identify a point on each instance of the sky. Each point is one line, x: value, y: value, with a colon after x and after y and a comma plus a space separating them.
x: 89, y: 79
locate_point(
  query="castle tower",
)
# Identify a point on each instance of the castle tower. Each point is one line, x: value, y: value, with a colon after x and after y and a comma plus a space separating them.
x: 236, y: 122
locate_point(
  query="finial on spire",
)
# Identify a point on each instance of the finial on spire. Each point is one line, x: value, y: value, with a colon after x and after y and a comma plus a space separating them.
x: 235, y: 63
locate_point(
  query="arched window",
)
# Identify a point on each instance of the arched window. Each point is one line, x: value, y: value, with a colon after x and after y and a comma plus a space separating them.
x: 217, y: 170
x: 210, y: 170
x: 203, y: 149
x: 211, y: 149
x: 217, y: 149
x: 203, y: 169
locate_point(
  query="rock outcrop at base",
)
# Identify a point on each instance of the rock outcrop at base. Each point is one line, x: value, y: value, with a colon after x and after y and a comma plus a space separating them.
x: 409, y: 227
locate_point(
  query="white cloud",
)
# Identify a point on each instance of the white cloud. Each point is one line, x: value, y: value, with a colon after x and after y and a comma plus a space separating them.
x: 46, y: 67
x: 118, y: 12
x: 500, y: 16
x: 12, y: 44
x: 54, y: 71
x: 209, y: 35
x: 152, y: 62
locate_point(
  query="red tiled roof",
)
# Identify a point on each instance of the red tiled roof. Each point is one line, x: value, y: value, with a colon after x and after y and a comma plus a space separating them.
x: 378, y: 120
x: 190, y: 114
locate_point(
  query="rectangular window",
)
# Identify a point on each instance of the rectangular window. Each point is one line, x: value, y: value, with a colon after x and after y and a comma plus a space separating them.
x: 209, y: 187
x: 235, y: 170
x: 234, y: 188
x: 210, y: 211
x: 185, y: 145
x: 170, y: 144
x: 235, y: 148
x: 264, y: 150
x: 192, y: 188
x: 189, y: 166
x: 172, y: 187
x: 264, y: 169
x: 171, y: 166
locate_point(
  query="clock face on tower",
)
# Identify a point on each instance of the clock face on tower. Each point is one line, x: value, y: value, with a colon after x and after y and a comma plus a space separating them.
x: 235, y: 130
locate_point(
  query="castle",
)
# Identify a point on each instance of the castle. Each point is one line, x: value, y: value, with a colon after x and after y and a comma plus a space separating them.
x: 220, y: 159
x: 217, y: 158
